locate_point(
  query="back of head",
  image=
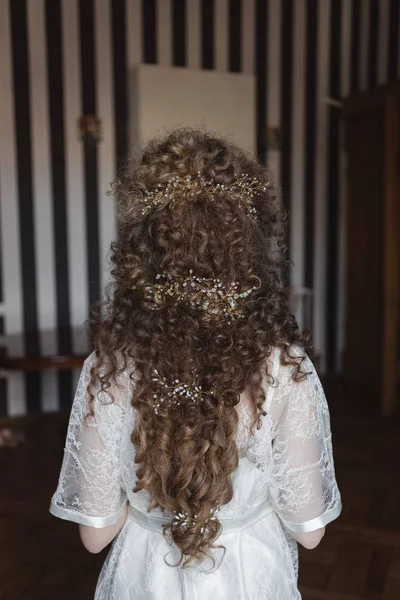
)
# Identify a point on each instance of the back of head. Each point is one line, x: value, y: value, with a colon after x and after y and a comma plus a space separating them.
x: 197, y: 306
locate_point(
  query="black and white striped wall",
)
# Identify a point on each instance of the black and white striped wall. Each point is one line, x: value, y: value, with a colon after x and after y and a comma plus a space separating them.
x: 60, y: 59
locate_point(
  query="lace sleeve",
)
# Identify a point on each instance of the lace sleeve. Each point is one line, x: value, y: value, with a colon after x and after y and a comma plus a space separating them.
x: 89, y: 490
x: 303, y: 485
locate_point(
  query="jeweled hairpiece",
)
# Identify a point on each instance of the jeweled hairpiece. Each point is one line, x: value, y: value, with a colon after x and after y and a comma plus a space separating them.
x: 184, y: 520
x: 210, y: 295
x: 244, y: 188
x: 177, y: 393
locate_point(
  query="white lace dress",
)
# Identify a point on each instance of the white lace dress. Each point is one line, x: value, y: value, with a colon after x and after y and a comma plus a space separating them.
x: 286, y: 465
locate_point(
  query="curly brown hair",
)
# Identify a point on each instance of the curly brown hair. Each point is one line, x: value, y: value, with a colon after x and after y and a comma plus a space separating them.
x: 186, y: 454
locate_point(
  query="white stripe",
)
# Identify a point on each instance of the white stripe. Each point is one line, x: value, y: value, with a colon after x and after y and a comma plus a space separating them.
x: 221, y: 35
x: 134, y: 32
x: 50, y: 401
x: 274, y: 81
x: 76, y: 219
x: 297, y: 143
x: 42, y: 192
x: 106, y: 149
x: 10, y: 237
x: 16, y: 404
x: 364, y: 35
x: 345, y: 91
x: 383, y: 35
x: 193, y: 48
x: 42, y: 196
x: 320, y: 183
x: 248, y: 37
x: 164, y: 32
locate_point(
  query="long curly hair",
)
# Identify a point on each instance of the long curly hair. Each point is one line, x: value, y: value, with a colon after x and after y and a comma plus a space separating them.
x: 186, y: 454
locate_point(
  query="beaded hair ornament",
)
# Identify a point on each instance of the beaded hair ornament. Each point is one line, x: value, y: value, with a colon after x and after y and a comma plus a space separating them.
x: 176, y: 393
x: 171, y: 395
x: 184, y: 520
x: 243, y: 189
x: 210, y: 295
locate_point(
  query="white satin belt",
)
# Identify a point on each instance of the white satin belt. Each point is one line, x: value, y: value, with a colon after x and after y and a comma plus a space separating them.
x: 229, y: 524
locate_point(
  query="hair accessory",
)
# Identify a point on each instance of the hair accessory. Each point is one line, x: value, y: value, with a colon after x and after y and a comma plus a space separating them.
x: 210, y: 295
x: 183, y: 519
x: 177, y: 392
x: 244, y: 188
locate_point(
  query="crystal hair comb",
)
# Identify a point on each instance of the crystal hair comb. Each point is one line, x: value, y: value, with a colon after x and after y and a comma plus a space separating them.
x: 210, y: 295
x: 184, y: 520
x: 177, y: 393
x: 244, y: 188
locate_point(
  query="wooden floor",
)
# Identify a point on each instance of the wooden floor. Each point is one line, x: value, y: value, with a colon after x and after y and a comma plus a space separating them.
x: 41, y: 557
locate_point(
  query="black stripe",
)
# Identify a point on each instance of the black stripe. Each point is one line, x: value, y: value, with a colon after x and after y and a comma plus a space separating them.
x: 235, y: 35
x: 88, y: 82
x: 120, y: 70
x: 393, y: 46
x: 333, y: 190
x: 58, y: 174
x: 355, y: 47
x: 1, y: 326
x: 179, y: 32
x: 3, y: 381
x: 1, y: 263
x: 373, y: 43
x: 65, y: 387
x: 261, y: 76
x: 33, y: 392
x: 310, y: 139
x: 149, y: 32
x: 19, y: 36
x: 19, y: 40
x: 207, y: 34
x: 286, y: 98
x: 3, y: 397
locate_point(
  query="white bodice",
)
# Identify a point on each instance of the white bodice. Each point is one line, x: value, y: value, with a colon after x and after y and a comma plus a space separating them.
x: 287, y: 461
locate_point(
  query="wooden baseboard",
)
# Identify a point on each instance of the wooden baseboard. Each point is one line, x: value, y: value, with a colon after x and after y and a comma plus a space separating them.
x: 56, y: 418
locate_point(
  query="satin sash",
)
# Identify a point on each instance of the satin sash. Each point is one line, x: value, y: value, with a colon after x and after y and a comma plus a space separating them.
x: 229, y: 524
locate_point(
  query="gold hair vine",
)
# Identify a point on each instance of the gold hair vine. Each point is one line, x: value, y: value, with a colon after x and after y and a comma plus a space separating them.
x: 176, y: 393
x: 210, y: 295
x: 244, y: 188
x: 184, y: 520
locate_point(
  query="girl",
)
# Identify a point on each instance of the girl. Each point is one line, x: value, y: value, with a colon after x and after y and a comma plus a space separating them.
x: 199, y: 438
